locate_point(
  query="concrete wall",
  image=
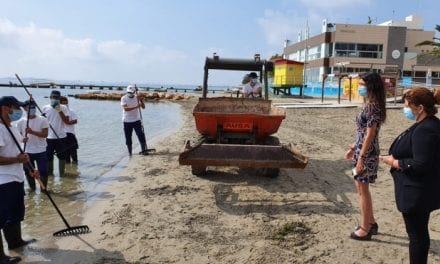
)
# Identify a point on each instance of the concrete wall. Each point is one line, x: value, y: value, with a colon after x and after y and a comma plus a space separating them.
x: 413, y: 37
x: 396, y: 41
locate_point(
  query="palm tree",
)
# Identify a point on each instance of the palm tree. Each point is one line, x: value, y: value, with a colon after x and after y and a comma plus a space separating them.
x: 434, y: 43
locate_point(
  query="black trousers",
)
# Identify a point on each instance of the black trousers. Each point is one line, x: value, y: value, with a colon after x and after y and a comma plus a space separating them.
x: 72, y: 146
x: 57, y: 145
x: 11, y: 203
x: 128, y: 131
x: 418, y: 233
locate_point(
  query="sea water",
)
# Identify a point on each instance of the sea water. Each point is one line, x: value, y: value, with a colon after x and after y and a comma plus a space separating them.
x: 102, y: 152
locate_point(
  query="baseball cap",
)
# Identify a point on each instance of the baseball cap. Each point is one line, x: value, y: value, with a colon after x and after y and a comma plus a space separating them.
x: 55, y: 93
x: 131, y: 89
x: 10, y: 101
x: 253, y: 75
x: 29, y: 102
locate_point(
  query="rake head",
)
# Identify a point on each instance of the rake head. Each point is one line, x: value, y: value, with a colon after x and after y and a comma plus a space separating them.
x: 72, y: 231
x: 147, y: 151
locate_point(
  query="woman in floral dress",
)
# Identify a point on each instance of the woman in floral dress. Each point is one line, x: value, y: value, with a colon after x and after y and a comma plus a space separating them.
x: 365, y: 151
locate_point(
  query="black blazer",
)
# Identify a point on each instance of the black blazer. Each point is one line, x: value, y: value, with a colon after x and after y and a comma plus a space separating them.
x: 417, y: 183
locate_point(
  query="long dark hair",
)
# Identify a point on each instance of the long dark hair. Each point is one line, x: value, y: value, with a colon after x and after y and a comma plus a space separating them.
x: 376, y: 91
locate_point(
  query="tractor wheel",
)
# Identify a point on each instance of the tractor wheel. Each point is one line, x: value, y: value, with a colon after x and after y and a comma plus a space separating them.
x: 198, y: 170
x: 270, y: 172
x: 272, y: 141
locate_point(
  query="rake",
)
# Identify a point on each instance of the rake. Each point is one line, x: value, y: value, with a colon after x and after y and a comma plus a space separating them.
x: 147, y: 150
x: 70, y: 230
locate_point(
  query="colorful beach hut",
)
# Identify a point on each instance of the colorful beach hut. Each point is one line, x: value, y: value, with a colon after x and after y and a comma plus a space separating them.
x: 287, y: 74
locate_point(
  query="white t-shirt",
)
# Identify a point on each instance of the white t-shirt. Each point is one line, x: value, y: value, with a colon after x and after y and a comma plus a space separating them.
x: 72, y: 116
x: 8, y: 149
x: 55, y: 121
x: 251, y: 91
x: 35, y: 144
x: 133, y: 115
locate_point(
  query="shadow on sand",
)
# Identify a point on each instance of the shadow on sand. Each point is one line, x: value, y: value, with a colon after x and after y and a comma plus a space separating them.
x: 293, y: 191
x: 66, y: 256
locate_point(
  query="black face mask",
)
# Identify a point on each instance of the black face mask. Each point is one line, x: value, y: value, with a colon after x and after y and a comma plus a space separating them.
x: 131, y: 95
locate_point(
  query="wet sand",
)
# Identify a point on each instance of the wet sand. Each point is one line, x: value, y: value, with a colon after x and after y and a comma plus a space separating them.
x: 158, y: 212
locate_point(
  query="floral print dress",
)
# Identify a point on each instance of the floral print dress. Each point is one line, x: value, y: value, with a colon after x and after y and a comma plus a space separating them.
x: 370, y: 115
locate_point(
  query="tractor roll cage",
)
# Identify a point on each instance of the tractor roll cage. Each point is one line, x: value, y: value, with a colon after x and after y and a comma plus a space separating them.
x: 217, y: 63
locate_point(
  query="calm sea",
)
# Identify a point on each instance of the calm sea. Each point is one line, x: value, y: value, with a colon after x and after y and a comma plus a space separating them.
x: 101, y: 154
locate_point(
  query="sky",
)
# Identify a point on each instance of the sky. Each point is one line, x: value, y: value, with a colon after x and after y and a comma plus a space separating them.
x: 167, y: 41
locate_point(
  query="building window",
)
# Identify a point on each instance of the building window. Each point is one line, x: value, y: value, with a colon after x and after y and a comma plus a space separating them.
x: 406, y: 49
x: 420, y: 74
x: 358, y: 50
x: 330, y: 49
x: 407, y: 74
x: 314, y: 53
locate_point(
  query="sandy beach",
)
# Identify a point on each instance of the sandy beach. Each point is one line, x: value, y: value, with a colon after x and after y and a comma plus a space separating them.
x: 158, y: 212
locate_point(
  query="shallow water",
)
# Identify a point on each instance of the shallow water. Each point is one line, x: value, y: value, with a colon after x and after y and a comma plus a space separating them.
x: 101, y: 154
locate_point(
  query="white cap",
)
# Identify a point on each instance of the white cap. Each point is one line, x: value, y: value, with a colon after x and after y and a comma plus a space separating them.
x: 131, y: 89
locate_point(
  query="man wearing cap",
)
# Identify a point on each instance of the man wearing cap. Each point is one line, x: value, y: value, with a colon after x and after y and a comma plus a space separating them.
x: 72, y: 142
x: 253, y: 87
x: 35, y: 128
x: 12, y: 193
x: 131, y: 103
x: 58, y: 116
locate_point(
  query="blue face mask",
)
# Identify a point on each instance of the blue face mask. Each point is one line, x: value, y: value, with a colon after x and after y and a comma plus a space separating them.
x: 362, y: 90
x: 16, y: 115
x: 54, y: 102
x: 32, y: 111
x: 409, y: 114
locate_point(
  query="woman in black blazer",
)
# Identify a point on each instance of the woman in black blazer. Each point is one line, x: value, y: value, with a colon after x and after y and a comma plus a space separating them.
x: 415, y: 166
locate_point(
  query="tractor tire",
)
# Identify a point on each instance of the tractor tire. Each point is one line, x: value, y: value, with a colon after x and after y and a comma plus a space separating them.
x: 269, y: 172
x: 198, y: 170
x: 271, y: 141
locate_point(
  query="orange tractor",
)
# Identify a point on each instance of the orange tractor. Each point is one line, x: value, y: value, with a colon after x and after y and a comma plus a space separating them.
x: 237, y: 131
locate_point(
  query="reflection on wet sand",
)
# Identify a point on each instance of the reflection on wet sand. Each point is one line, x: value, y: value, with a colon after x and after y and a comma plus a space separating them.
x: 72, y: 193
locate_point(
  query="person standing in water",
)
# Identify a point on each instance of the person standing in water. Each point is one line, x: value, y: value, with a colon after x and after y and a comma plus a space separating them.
x: 72, y: 142
x: 58, y: 117
x: 35, y: 128
x: 131, y: 117
x: 12, y: 207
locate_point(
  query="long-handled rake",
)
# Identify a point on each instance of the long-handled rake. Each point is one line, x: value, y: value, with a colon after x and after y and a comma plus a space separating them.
x: 70, y: 230
x: 36, y: 105
x: 147, y: 150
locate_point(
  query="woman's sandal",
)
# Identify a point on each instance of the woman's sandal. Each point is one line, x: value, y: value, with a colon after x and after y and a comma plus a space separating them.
x: 362, y: 238
x: 374, y: 228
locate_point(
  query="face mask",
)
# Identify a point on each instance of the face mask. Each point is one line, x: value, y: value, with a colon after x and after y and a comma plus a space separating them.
x: 131, y: 95
x: 408, y: 113
x: 54, y: 102
x: 362, y: 90
x: 32, y: 111
x: 16, y: 114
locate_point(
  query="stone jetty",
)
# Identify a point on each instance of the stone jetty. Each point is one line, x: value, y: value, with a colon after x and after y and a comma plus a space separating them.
x: 143, y: 95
